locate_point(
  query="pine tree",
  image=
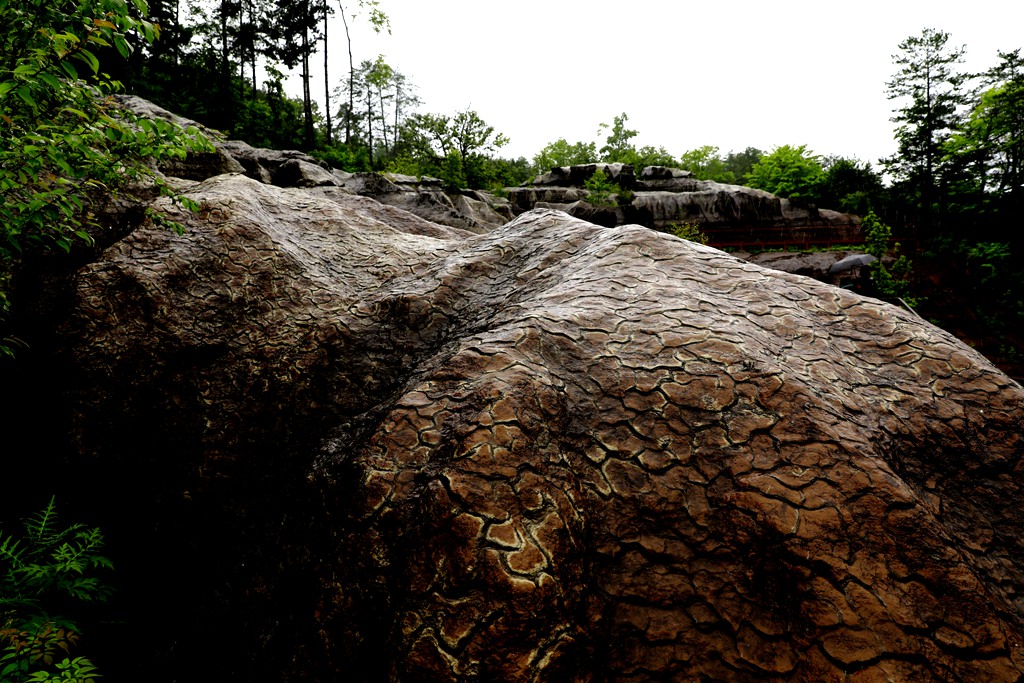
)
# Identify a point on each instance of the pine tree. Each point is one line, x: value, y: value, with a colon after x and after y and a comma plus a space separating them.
x: 933, y: 94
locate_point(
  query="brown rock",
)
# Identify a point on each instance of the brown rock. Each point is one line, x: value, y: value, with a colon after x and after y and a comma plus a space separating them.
x: 550, y: 452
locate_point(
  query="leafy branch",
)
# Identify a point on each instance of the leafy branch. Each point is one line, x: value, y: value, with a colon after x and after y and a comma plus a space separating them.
x: 66, y: 143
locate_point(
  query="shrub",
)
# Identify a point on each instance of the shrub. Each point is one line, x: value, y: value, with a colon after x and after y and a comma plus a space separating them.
x: 890, y: 281
x: 600, y: 189
x: 45, y: 567
x: 688, y: 231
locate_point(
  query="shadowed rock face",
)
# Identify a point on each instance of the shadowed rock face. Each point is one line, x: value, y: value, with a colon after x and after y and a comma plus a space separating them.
x: 554, y: 452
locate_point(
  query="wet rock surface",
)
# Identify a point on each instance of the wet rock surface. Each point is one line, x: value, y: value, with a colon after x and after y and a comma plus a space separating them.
x: 553, y: 452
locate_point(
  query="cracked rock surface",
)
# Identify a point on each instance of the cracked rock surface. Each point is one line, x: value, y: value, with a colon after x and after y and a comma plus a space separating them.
x: 553, y: 452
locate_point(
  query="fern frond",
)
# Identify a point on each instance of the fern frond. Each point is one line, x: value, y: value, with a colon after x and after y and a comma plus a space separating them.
x: 42, y: 526
x: 11, y: 553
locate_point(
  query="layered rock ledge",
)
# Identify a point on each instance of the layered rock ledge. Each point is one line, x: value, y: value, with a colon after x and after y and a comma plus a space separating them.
x: 659, y: 197
x: 392, y: 450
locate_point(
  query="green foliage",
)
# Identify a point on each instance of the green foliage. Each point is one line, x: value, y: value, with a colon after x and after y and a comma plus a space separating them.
x: 851, y: 186
x: 706, y: 164
x: 649, y: 155
x: 893, y: 280
x: 455, y: 148
x: 561, y: 153
x: 984, y: 160
x: 353, y: 158
x: 989, y: 259
x: 689, y: 231
x: 788, y: 171
x: 741, y: 163
x: 617, y: 147
x: 931, y: 89
x: 45, y: 567
x: 500, y: 173
x: 601, y: 190
x: 65, y: 141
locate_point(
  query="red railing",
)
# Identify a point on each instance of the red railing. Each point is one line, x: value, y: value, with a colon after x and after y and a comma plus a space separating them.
x: 792, y: 238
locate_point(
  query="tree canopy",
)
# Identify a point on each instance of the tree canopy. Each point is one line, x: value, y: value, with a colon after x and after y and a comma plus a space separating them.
x: 788, y: 171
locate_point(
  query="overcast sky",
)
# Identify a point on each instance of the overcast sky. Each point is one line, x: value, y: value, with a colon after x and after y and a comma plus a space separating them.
x: 730, y: 74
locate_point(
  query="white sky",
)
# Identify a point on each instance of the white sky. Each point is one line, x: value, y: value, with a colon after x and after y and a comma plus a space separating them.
x: 730, y: 74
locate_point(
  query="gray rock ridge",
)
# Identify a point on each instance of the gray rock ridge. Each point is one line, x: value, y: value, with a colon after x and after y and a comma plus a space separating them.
x: 472, y: 210
x: 553, y: 451
x: 661, y: 197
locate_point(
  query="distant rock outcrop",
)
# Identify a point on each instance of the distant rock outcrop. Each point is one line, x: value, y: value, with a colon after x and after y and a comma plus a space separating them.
x: 663, y: 196
x: 472, y: 210
x: 363, y: 446
x: 658, y: 198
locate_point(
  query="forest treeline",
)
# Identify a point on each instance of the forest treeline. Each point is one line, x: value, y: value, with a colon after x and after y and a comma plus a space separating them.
x: 958, y: 167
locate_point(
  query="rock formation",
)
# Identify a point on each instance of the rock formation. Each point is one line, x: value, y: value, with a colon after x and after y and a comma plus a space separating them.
x: 366, y: 447
x: 661, y: 197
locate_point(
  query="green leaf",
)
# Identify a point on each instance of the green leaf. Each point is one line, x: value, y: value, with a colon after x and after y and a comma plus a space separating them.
x: 50, y: 80
x: 122, y: 45
x: 25, y: 93
x: 90, y: 59
x: 70, y: 69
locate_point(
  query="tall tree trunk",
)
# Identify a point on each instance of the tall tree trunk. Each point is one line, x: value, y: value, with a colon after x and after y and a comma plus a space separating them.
x: 383, y: 116
x: 252, y: 46
x: 398, y: 105
x: 327, y: 83
x: 225, y: 72
x: 177, y: 27
x: 307, y: 98
x: 369, y: 121
x: 351, y: 80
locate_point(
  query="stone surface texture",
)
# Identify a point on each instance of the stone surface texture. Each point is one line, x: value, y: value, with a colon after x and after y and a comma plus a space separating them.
x: 552, y: 452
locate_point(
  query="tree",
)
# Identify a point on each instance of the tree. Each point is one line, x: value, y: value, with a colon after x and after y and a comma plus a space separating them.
x: 455, y: 148
x: 296, y: 32
x: 617, y: 147
x: 850, y: 185
x: 561, y: 153
x: 385, y: 100
x: 65, y: 141
x: 788, y: 171
x: 891, y: 281
x: 930, y: 88
x: 379, y: 21
x: 706, y: 164
x: 741, y: 163
x: 987, y: 154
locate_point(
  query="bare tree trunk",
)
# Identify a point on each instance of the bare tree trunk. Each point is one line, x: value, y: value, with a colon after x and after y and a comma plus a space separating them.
x: 307, y: 98
x: 327, y: 84
x: 383, y: 116
x: 252, y: 46
x: 351, y: 80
